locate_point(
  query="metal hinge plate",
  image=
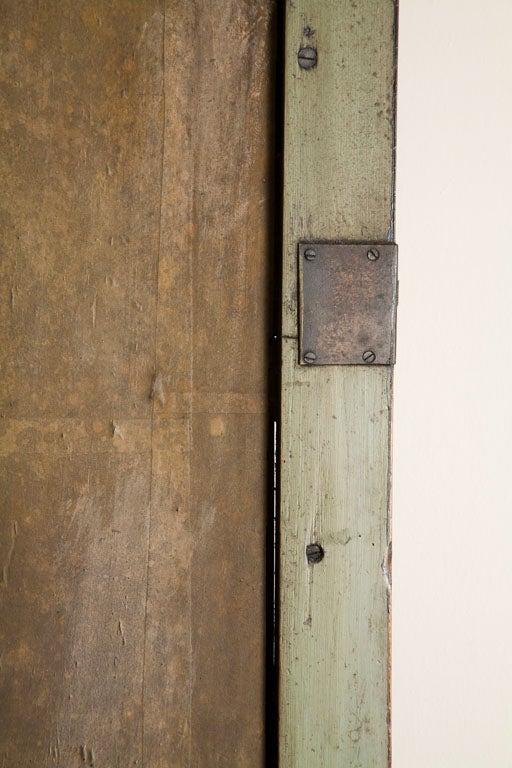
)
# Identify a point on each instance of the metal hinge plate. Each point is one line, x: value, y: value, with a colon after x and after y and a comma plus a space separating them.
x: 348, y: 298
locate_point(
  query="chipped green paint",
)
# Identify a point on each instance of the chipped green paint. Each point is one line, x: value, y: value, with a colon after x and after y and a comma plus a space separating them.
x: 335, y: 446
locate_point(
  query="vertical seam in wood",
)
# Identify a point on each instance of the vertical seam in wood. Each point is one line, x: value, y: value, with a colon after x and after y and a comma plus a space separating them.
x: 391, y: 232
x: 192, y: 250
x: 155, y: 340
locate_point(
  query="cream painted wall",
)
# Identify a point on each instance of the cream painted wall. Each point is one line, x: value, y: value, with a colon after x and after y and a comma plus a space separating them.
x: 452, y: 573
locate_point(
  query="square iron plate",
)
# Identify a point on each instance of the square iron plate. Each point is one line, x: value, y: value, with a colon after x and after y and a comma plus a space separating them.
x: 348, y: 297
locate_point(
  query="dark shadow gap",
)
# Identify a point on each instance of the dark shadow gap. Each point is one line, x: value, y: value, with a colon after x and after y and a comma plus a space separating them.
x: 275, y: 243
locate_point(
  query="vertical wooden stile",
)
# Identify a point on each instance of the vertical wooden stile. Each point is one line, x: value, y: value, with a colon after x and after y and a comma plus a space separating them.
x: 335, y: 420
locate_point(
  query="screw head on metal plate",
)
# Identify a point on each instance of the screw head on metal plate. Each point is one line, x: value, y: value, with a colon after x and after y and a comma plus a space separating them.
x: 309, y: 357
x: 369, y: 356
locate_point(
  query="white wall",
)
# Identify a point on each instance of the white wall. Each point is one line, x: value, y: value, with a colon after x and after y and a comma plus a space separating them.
x: 452, y: 571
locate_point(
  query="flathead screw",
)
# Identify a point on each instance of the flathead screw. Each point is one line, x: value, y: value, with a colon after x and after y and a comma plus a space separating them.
x: 307, y: 57
x: 309, y: 357
x: 309, y: 254
x: 314, y: 553
x: 369, y: 356
x: 373, y: 254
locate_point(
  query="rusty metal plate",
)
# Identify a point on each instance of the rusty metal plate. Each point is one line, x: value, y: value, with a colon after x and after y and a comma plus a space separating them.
x: 348, y: 297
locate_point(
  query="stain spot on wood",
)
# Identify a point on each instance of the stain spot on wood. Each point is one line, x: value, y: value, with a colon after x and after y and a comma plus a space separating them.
x: 217, y: 426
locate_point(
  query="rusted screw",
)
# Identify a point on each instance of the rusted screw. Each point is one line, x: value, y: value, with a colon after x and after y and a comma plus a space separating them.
x: 373, y: 254
x: 309, y: 357
x: 369, y: 356
x: 314, y: 553
x: 309, y: 254
x: 307, y: 57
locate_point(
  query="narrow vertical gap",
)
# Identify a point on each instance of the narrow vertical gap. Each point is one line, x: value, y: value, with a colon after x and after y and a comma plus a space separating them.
x: 275, y: 555
x: 275, y: 242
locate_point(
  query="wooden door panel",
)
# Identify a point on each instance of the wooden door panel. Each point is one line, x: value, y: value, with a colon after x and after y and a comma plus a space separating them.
x: 136, y: 159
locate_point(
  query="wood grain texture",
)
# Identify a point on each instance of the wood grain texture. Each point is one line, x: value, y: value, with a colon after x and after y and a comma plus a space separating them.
x: 135, y: 165
x: 335, y: 421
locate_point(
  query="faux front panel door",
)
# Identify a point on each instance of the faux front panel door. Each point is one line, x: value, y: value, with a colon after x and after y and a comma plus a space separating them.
x: 135, y: 167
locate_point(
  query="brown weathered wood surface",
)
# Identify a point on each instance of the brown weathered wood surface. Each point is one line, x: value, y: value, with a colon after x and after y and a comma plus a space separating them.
x: 135, y: 165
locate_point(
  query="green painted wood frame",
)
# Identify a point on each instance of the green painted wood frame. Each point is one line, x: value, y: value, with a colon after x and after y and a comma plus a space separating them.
x: 335, y: 446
